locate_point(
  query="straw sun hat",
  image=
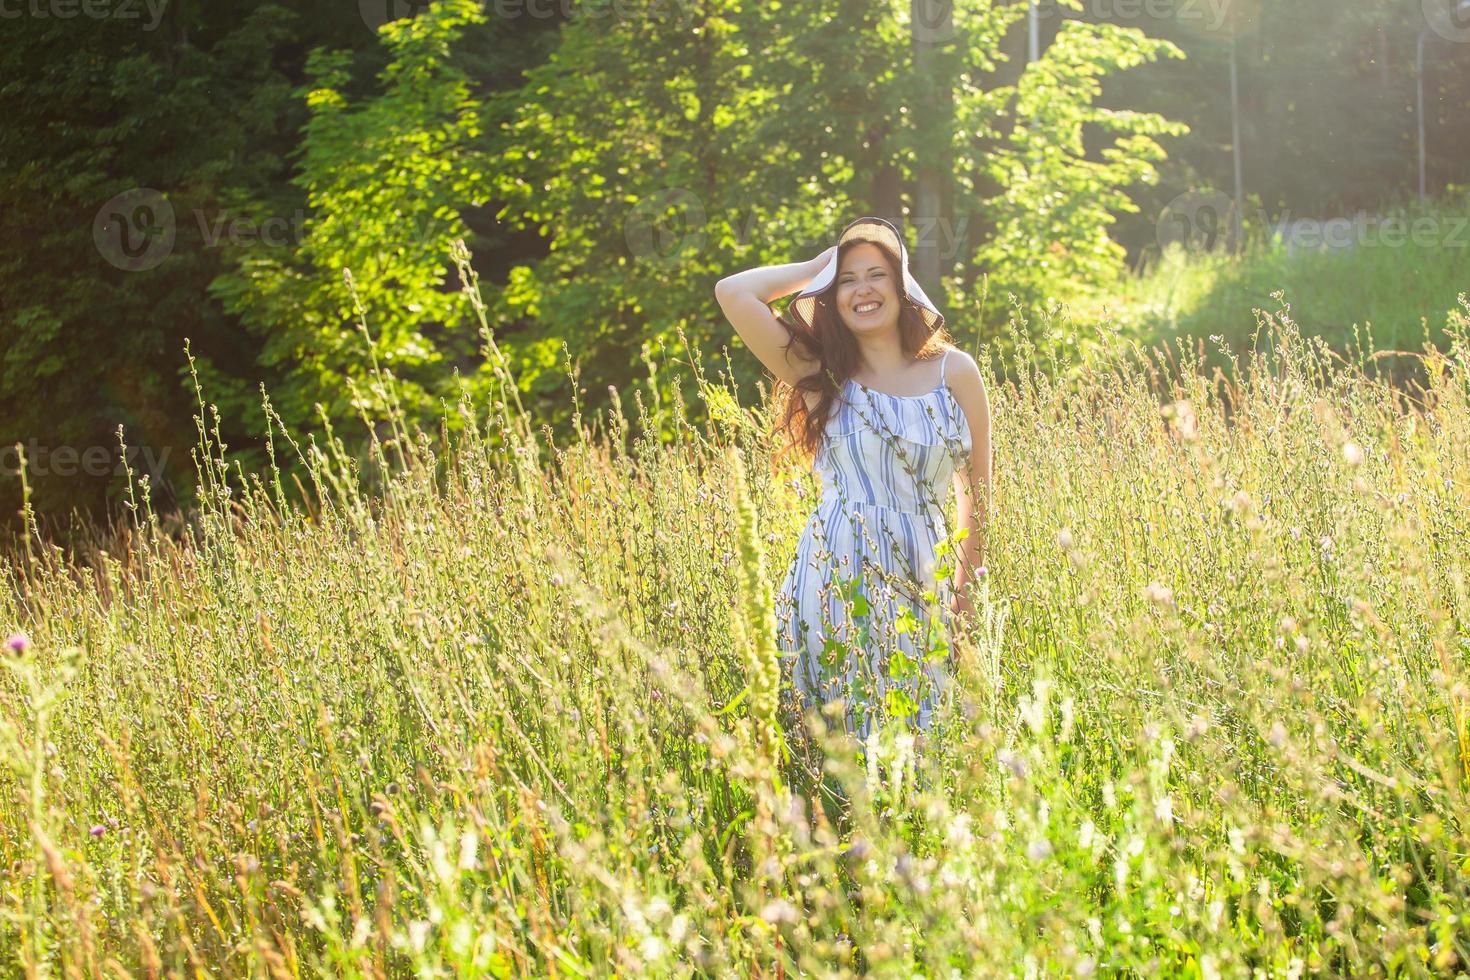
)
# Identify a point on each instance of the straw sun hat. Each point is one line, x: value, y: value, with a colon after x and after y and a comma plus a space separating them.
x: 804, y: 306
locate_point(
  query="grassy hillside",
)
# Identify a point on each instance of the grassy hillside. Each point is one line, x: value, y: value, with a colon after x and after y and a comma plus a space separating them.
x: 513, y: 714
x: 1388, y: 282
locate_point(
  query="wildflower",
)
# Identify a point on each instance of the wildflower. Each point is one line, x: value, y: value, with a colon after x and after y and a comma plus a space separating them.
x: 981, y: 571
x: 1185, y: 423
x: 1161, y: 594
x: 556, y: 579
x: 1039, y: 849
x: 779, y: 912
x: 97, y: 830
x: 1352, y: 453
x: 1277, y: 735
x: 469, y: 844
x: 18, y: 644
x: 1012, y: 761
x: 1064, y: 538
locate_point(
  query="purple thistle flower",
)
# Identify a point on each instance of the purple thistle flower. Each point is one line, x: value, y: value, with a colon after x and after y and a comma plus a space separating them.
x: 18, y: 643
x: 98, y: 830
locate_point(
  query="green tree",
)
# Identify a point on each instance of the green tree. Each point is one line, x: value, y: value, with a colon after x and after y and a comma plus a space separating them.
x: 1049, y: 223
x: 185, y: 107
x: 386, y: 180
x: 749, y: 134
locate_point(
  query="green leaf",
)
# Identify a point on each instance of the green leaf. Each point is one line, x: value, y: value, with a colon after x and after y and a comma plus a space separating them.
x: 906, y: 621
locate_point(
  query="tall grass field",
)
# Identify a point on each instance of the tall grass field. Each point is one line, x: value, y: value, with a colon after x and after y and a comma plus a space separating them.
x: 515, y: 710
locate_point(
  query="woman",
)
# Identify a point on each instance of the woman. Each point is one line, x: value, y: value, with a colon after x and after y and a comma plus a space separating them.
x: 891, y: 413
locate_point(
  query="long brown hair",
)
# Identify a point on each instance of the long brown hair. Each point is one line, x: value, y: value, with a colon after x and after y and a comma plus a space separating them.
x: 831, y: 344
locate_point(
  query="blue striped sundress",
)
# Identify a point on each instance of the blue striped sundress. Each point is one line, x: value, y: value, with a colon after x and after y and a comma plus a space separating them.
x: 854, y: 592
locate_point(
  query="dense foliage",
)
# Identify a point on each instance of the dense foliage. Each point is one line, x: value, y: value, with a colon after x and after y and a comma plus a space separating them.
x: 208, y: 171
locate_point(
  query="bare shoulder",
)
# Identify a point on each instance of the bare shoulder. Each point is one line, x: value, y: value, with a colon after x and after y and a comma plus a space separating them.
x: 963, y: 376
x: 961, y: 371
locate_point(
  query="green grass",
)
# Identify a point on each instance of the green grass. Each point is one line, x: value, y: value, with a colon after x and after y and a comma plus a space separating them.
x: 1392, y: 291
x: 511, y: 713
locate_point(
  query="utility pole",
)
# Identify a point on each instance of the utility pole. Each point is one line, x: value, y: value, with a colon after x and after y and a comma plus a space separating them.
x: 1033, y: 31
x: 1448, y: 27
x: 1236, y: 222
x: 1420, y: 73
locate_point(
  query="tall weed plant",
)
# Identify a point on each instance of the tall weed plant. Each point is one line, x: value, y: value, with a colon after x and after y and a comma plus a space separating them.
x: 485, y: 704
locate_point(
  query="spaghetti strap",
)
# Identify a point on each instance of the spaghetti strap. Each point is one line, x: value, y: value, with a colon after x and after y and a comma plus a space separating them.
x: 944, y: 357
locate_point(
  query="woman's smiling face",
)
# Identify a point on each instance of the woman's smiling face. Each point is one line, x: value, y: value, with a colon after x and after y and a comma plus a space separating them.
x: 867, y: 291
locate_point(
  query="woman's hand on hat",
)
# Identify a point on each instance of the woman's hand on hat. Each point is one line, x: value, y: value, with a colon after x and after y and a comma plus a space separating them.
x: 820, y: 262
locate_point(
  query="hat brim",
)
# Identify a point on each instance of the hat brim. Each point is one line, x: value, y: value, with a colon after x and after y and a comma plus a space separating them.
x: 804, y: 305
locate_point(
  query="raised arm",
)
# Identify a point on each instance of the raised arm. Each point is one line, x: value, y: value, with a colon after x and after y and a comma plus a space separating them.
x: 745, y: 298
